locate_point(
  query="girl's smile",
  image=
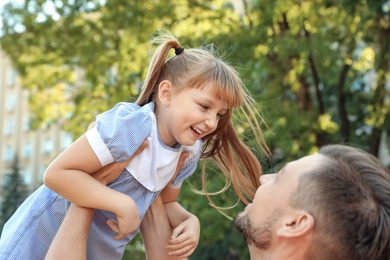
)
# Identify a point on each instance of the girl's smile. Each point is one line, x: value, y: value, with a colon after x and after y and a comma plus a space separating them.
x: 196, y: 131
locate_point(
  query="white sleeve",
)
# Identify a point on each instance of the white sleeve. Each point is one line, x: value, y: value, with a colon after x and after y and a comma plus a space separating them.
x: 99, y: 147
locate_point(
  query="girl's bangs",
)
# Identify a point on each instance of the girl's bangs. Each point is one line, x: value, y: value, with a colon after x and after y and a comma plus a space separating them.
x: 224, y: 87
x: 227, y: 92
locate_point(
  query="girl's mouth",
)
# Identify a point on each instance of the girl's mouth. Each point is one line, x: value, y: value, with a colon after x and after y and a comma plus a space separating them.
x: 196, y: 130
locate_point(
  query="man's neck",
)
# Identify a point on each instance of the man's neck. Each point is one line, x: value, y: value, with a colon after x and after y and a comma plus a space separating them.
x: 277, y: 256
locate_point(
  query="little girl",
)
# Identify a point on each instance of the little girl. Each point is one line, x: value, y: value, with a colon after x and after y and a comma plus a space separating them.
x: 185, y: 105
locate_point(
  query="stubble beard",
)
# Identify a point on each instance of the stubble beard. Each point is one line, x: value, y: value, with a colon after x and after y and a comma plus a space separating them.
x: 260, y: 236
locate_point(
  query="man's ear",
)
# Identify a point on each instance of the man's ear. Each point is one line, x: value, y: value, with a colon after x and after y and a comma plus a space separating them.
x: 165, y: 90
x: 296, y: 224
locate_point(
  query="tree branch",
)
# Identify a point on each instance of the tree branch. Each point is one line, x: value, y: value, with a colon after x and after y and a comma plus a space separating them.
x: 341, y: 106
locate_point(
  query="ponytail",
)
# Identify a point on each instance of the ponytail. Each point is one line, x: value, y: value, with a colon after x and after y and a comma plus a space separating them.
x: 156, y: 67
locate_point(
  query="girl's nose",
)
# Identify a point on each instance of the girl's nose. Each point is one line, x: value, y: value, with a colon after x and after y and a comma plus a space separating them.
x: 212, y: 122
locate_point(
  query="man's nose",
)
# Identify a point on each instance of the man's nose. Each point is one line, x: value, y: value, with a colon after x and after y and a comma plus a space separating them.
x: 266, y: 178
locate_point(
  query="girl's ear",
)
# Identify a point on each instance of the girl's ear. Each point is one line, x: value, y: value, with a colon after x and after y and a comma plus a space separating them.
x: 165, y: 90
x: 296, y: 224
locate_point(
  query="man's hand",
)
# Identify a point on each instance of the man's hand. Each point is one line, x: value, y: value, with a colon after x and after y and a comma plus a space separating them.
x: 111, y: 172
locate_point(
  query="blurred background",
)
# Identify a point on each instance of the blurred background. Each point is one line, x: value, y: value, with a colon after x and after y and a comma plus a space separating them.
x: 318, y: 70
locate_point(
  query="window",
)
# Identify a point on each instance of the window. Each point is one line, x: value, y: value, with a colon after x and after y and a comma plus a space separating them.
x: 11, y: 102
x: 27, y: 125
x: 8, y: 153
x: 11, y: 77
x: 47, y: 146
x: 27, y: 151
x: 9, y: 126
x: 27, y: 174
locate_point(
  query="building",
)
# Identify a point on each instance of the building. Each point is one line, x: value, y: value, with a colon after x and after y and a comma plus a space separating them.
x: 35, y: 148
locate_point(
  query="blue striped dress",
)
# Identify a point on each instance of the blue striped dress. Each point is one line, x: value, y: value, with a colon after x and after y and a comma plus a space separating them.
x: 117, y: 135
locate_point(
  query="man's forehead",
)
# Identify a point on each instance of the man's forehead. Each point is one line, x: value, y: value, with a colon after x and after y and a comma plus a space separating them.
x: 304, y: 164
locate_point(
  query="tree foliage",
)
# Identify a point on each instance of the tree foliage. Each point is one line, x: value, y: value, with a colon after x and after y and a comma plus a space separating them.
x: 308, y: 61
x: 319, y: 70
x: 13, y: 193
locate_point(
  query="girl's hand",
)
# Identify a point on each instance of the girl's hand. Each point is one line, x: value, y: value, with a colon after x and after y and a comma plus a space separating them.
x: 185, y: 238
x: 128, y: 219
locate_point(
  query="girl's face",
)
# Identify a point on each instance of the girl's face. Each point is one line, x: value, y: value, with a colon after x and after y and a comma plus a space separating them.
x: 191, y: 114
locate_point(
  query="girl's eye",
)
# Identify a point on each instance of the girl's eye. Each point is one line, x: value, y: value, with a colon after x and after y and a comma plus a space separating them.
x: 205, y: 107
x: 219, y: 115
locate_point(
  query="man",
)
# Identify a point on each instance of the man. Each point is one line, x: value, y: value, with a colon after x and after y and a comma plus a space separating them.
x: 331, y: 205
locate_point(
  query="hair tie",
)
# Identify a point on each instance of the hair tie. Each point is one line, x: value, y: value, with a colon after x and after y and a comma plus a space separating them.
x: 179, y: 50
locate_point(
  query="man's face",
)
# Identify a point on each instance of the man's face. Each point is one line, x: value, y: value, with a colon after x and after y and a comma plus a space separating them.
x: 263, y: 217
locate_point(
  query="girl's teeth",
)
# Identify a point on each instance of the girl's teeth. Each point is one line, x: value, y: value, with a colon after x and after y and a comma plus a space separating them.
x: 196, y: 130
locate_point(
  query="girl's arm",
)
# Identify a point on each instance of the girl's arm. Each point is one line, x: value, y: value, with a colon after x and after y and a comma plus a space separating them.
x: 68, y: 176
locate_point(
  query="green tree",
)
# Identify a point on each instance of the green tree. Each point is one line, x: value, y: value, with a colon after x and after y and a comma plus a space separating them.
x: 13, y: 193
x: 307, y: 62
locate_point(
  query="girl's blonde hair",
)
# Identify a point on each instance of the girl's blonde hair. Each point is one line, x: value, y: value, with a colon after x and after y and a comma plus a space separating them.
x: 194, y: 68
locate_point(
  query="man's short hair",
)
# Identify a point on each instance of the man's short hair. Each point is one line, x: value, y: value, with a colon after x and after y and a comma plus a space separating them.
x: 349, y: 198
